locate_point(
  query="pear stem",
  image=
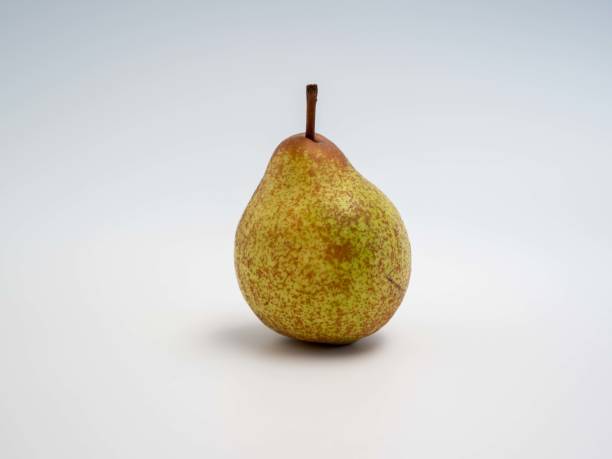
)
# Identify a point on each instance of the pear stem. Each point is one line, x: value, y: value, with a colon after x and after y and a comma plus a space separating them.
x: 311, y: 107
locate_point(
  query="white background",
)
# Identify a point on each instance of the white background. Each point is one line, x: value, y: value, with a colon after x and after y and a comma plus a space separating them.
x: 131, y: 138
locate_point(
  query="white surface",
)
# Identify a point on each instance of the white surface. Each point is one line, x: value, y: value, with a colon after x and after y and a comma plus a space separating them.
x: 131, y: 139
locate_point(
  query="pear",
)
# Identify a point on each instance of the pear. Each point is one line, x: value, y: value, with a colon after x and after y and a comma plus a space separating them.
x: 321, y: 254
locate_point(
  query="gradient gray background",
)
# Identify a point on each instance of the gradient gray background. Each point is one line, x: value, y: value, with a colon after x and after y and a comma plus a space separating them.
x: 132, y: 135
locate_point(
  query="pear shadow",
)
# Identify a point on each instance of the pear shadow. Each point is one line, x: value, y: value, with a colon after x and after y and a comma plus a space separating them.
x: 259, y: 341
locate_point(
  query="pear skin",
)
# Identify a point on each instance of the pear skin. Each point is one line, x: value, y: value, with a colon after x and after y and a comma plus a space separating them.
x: 321, y: 254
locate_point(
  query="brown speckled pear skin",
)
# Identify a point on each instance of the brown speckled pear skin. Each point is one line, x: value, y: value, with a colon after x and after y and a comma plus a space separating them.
x: 321, y: 254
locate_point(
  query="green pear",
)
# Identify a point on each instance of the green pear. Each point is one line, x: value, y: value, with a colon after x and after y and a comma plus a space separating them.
x: 321, y: 254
